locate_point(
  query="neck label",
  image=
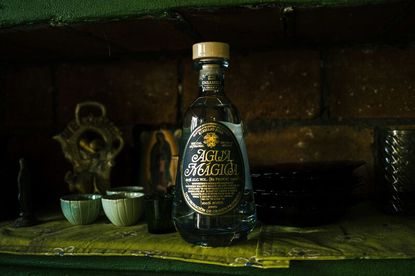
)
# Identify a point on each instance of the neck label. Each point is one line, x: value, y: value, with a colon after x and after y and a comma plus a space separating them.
x: 211, y: 80
x: 212, y: 172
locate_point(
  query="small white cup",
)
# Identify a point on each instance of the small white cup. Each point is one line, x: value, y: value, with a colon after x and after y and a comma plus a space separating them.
x: 81, y: 208
x: 123, y: 209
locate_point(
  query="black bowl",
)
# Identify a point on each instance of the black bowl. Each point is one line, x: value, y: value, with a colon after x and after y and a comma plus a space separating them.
x: 304, y: 194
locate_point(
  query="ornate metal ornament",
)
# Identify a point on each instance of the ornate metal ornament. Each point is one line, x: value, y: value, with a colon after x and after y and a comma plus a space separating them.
x: 91, y: 144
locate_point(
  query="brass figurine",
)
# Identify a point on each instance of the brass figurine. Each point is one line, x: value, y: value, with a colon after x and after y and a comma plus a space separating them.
x: 91, y: 144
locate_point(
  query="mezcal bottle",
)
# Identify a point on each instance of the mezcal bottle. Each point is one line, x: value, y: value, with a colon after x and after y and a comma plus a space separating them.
x: 213, y: 202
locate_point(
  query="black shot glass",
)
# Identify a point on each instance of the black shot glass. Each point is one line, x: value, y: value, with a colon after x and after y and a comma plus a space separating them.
x: 158, y: 213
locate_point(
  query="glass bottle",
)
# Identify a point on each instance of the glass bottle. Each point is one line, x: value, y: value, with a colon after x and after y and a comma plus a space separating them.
x: 213, y: 203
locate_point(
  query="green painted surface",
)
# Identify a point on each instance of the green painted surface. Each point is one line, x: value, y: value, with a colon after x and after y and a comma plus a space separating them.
x: 35, y: 265
x: 61, y: 12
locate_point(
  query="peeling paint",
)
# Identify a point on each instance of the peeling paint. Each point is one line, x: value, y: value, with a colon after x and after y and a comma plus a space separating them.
x: 62, y: 12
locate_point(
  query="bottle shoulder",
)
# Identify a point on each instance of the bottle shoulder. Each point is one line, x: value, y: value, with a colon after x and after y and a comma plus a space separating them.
x: 211, y: 108
x: 211, y: 101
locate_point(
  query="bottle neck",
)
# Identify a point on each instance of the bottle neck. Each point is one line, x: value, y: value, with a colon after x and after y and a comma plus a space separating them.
x: 211, y: 76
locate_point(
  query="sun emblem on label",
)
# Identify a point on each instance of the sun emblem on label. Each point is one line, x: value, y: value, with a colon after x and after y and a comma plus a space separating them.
x: 210, y: 139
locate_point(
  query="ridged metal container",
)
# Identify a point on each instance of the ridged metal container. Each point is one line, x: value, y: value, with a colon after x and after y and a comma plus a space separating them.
x: 395, y: 169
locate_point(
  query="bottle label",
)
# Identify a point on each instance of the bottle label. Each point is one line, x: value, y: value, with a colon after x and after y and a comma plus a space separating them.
x: 213, y: 173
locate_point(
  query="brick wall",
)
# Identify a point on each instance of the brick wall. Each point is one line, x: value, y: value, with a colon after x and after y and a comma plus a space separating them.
x: 298, y: 105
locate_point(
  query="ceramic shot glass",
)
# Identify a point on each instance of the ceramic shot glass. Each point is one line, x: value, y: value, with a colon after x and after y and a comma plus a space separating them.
x: 158, y: 209
x: 81, y: 208
x: 122, y: 209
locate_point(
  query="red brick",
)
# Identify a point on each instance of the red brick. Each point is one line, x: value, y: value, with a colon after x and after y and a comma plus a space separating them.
x: 42, y: 42
x: 28, y: 93
x: 144, y: 34
x: 346, y: 23
x: 312, y: 144
x: 134, y: 92
x: 243, y: 27
x: 372, y: 83
x: 270, y: 85
x: 309, y: 143
x: 405, y: 27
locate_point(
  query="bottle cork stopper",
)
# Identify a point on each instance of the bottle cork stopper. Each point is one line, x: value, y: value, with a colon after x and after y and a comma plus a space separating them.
x: 211, y: 50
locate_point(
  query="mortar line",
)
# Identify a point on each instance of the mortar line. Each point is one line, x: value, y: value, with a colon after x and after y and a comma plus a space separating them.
x: 183, y: 25
x: 324, y: 86
x: 358, y: 123
x: 155, y: 55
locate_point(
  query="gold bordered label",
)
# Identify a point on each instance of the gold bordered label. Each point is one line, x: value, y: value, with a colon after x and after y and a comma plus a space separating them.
x: 213, y: 171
